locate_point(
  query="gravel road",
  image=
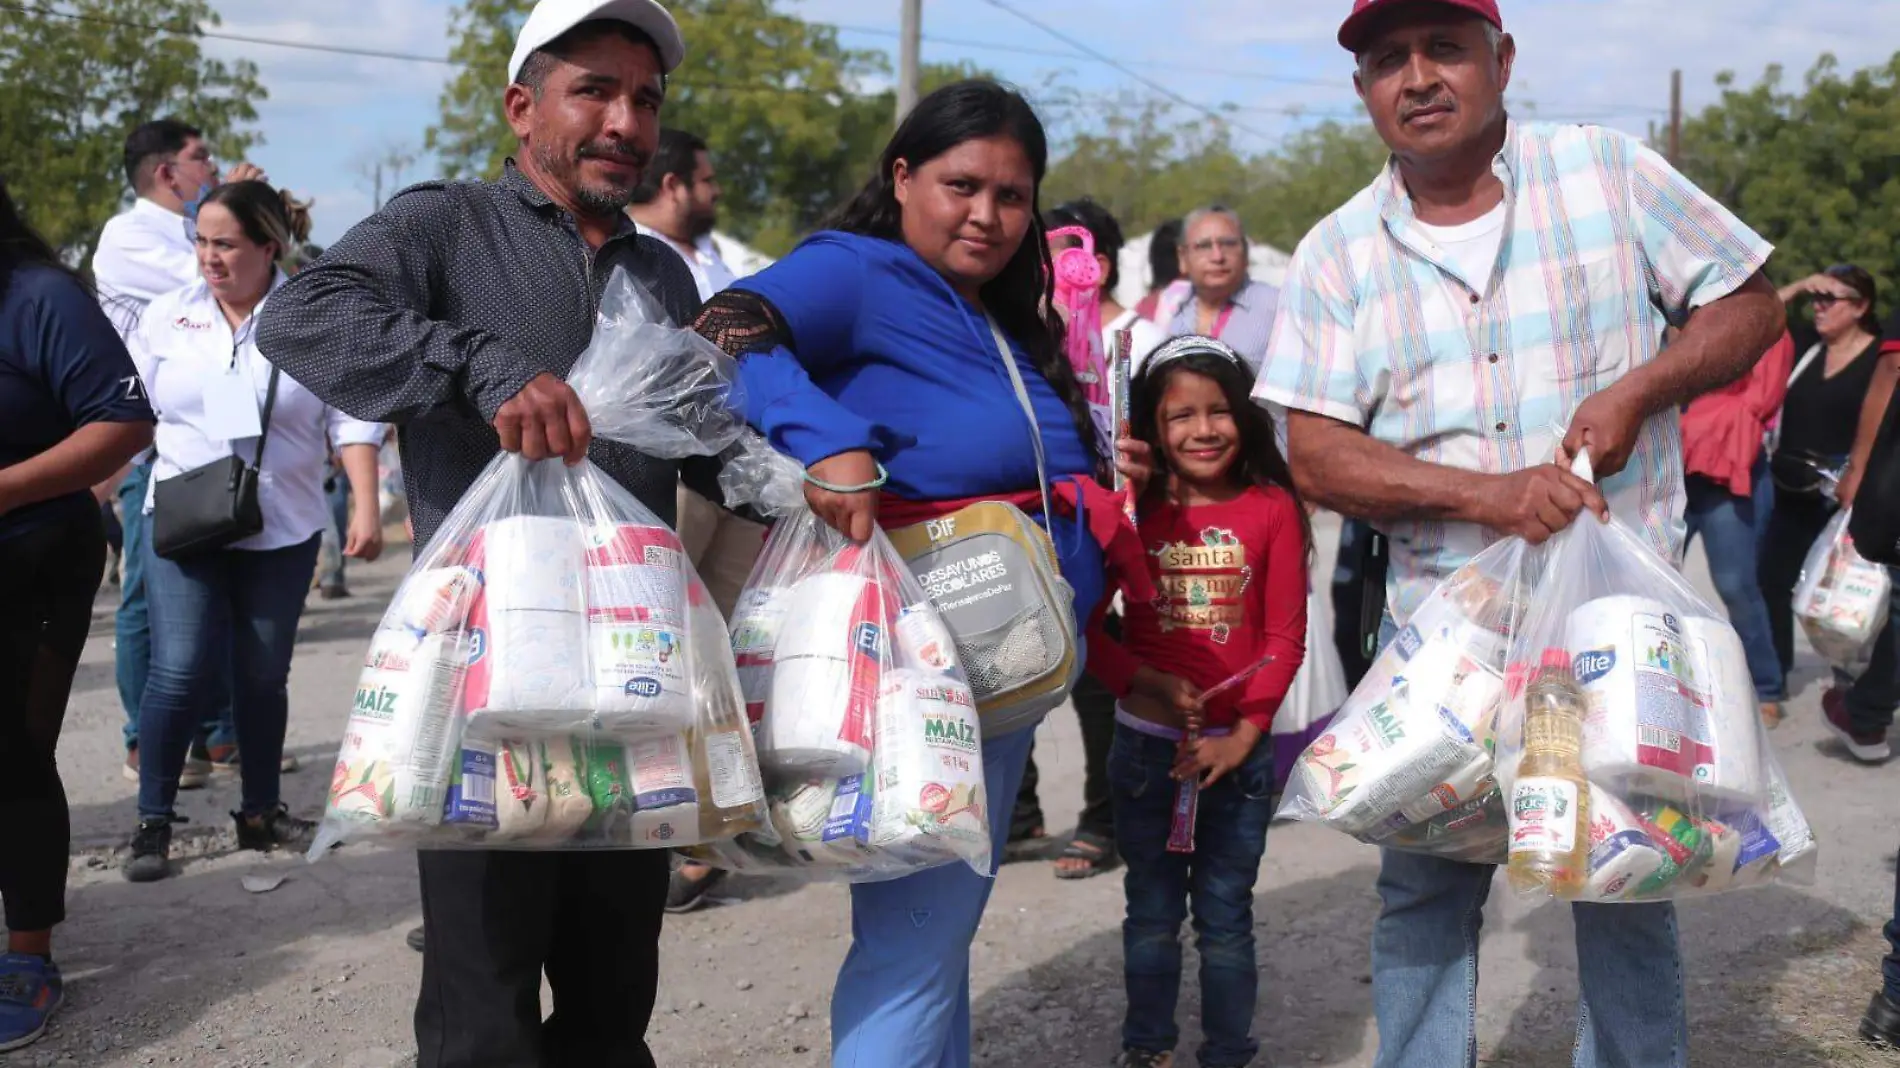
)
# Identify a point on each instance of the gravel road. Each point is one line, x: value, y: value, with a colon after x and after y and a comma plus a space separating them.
x: 196, y: 970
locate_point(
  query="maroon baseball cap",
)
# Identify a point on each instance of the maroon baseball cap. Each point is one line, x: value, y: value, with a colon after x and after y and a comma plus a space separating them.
x: 1352, y: 32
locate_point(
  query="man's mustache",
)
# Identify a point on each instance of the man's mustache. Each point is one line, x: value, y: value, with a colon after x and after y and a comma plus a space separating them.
x: 618, y: 151
x: 1440, y: 101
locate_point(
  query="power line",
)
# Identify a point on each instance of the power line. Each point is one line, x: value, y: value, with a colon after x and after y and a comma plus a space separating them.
x: 1111, y: 61
x: 216, y: 35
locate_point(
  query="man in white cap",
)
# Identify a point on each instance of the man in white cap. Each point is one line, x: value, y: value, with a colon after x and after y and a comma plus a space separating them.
x: 456, y: 312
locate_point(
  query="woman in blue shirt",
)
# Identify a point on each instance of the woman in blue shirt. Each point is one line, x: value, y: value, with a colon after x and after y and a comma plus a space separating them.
x: 868, y: 345
x: 72, y: 414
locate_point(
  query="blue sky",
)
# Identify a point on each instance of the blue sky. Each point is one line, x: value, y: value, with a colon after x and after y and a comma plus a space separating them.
x: 1604, y: 61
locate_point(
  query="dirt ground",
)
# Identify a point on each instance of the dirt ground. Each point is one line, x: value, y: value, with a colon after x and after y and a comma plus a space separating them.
x: 196, y: 970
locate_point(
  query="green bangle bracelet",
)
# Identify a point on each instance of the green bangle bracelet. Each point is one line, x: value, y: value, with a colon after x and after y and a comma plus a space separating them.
x: 883, y: 476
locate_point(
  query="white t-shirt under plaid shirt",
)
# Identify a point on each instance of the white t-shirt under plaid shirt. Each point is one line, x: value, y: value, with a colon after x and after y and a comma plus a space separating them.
x: 1603, y: 244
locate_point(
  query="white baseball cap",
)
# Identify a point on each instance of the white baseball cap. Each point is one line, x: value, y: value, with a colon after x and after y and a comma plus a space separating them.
x: 552, y: 18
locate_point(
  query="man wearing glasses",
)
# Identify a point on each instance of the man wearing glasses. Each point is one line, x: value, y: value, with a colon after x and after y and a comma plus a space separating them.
x: 1227, y: 304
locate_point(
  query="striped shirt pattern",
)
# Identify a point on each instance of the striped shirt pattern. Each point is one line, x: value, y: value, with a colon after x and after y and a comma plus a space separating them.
x: 1247, y: 330
x: 1604, y: 244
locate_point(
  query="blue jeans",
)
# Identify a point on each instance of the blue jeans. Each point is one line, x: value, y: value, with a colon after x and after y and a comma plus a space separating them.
x: 903, y: 994
x: 1230, y: 836
x: 1732, y: 527
x: 208, y: 613
x: 131, y: 624
x: 1630, y: 1010
x: 336, y: 490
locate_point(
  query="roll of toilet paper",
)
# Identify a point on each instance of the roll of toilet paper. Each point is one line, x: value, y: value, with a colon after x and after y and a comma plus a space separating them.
x: 521, y: 790
x: 1622, y: 853
x: 1394, y: 755
x: 471, y: 803
x: 530, y: 674
x: 569, y: 807
x: 820, y: 719
x: 399, y: 747
x: 1630, y: 659
x: 438, y: 600
x: 531, y: 563
x: 1728, y: 741
x: 830, y: 608
x: 929, y: 766
x: 640, y: 676
x: 756, y: 622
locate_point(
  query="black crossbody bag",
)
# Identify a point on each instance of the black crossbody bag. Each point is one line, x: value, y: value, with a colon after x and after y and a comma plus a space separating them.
x: 211, y: 507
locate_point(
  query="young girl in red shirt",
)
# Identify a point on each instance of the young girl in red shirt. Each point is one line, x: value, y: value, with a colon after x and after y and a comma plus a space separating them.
x: 1228, y: 546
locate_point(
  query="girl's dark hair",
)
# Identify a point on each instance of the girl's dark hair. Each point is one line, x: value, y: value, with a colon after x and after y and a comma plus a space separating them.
x: 1260, y: 462
x: 1860, y: 282
x: 22, y: 246
x: 260, y: 212
x: 1021, y: 296
x: 1102, y: 227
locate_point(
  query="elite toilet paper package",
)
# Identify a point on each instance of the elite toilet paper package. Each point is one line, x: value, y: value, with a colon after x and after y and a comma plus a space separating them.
x: 827, y: 669
x: 535, y: 673
x: 1631, y: 658
x: 1729, y: 766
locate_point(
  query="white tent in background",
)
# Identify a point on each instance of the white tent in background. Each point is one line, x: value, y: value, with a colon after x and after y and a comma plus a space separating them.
x: 1264, y: 262
x: 741, y: 257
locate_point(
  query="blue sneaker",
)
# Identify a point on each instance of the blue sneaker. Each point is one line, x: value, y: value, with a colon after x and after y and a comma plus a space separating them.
x: 30, y: 992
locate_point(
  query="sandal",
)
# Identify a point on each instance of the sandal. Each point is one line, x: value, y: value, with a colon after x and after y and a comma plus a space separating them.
x: 1029, y: 845
x: 1096, y: 852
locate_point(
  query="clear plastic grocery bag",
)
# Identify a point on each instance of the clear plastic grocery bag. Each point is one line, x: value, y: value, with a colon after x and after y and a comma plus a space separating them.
x: 1407, y: 762
x: 1631, y: 751
x: 552, y: 674
x: 865, y: 724
x: 1842, y: 599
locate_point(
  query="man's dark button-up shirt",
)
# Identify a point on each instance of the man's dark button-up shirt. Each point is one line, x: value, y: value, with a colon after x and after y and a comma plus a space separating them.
x: 434, y: 312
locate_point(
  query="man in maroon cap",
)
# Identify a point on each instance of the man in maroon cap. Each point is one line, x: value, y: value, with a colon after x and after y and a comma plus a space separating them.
x: 1499, y: 283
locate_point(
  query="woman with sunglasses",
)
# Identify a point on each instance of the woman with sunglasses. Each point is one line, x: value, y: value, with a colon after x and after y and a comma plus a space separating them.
x: 1838, y: 358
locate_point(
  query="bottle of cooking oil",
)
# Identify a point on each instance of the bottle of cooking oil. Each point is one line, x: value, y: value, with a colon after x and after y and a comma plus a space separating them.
x: 1550, y: 803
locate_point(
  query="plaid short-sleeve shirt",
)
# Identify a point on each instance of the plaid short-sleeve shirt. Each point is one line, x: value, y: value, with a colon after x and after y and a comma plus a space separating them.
x: 1604, y: 244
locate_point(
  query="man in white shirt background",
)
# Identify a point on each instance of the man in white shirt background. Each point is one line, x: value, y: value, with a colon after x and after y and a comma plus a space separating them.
x: 677, y: 201
x: 145, y: 251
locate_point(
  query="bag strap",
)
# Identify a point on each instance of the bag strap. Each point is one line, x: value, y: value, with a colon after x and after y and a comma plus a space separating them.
x: 270, y: 405
x: 1035, y: 427
x: 1807, y: 358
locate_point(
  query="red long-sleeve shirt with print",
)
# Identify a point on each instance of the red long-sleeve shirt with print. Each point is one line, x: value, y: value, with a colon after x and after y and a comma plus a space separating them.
x: 1232, y: 589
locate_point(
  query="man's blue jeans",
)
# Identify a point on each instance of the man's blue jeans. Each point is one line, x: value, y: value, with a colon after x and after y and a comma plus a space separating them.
x: 131, y: 624
x: 1630, y: 1010
x: 1731, y: 530
x: 1217, y: 879
x: 208, y: 613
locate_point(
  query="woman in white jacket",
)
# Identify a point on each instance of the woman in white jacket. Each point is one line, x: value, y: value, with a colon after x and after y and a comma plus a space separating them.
x: 239, y: 604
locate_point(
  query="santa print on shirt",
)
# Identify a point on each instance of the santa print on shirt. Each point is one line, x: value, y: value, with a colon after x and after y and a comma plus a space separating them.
x: 1202, y: 584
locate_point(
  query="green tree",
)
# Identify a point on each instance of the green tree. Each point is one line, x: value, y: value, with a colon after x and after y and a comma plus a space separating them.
x: 1147, y: 164
x: 1815, y: 170
x: 777, y: 98
x: 79, y: 74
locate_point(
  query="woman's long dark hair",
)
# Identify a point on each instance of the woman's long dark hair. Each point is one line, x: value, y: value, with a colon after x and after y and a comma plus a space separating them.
x: 1021, y: 296
x: 22, y: 246
x: 1260, y: 462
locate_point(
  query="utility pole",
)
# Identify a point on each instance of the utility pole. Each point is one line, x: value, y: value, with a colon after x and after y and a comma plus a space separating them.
x: 909, y: 44
x: 1675, y: 118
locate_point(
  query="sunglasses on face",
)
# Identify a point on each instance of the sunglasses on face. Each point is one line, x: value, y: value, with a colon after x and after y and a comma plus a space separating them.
x: 1824, y: 301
